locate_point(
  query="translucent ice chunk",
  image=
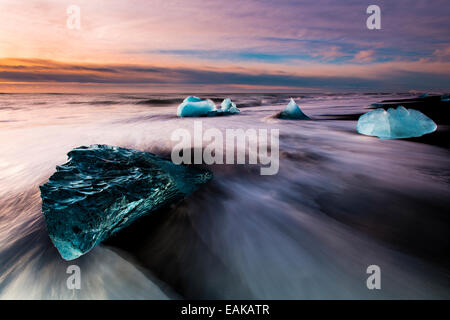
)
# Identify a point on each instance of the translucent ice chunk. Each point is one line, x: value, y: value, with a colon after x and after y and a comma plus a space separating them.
x: 395, y: 123
x: 195, y: 107
x: 103, y: 189
x: 229, y: 106
x: 293, y: 112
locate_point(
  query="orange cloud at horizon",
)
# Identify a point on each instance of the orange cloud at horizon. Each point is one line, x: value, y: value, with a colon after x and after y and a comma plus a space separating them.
x: 40, y: 75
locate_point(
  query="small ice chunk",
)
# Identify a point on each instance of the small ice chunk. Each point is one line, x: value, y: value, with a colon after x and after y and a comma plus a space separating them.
x: 229, y: 106
x: 445, y: 97
x: 395, y: 123
x: 195, y: 107
x: 293, y: 112
x: 425, y: 95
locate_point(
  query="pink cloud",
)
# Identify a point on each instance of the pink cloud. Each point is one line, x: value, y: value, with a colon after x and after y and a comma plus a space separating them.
x: 364, y: 56
x: 445, y: 52
x: 330, y: 53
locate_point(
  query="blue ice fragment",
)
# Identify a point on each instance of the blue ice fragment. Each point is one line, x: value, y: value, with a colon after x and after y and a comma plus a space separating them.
x: 395, y: 123
x: 195, y: 107
x: 229, y: 106
x: 445, y: 97
x: 103, y: 189
x: 293, y: 112
x: 425, y: 95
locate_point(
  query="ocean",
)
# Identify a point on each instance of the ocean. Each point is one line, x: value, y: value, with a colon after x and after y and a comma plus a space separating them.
x: 339, y: 203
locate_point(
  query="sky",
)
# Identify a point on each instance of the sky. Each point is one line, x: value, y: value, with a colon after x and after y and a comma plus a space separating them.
x: 223, y: 46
